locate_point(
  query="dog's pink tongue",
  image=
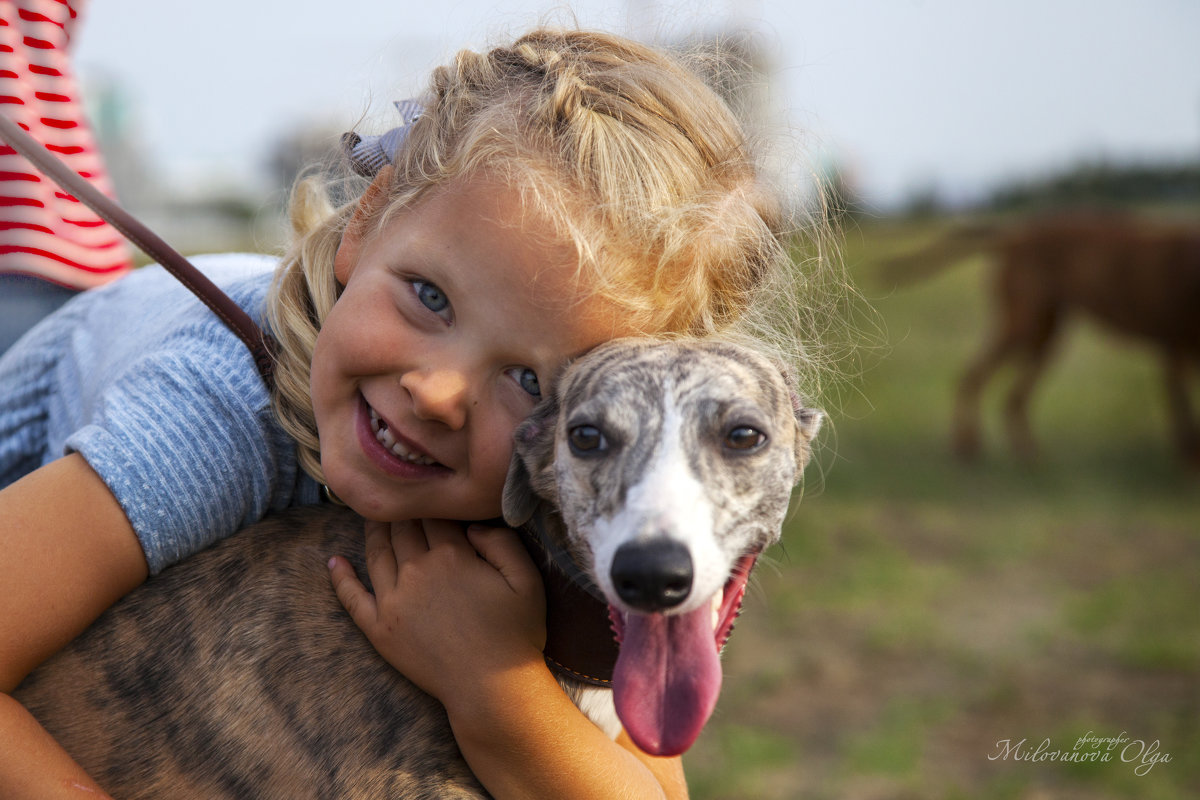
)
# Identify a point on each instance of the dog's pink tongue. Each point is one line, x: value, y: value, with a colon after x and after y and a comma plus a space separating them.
x: 667, y: 679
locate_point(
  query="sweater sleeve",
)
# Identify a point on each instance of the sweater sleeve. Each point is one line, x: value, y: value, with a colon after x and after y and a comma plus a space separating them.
x: 187, y: 443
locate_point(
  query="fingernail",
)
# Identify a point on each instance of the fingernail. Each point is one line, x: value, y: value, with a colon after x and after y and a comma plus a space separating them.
x: 332, y: 562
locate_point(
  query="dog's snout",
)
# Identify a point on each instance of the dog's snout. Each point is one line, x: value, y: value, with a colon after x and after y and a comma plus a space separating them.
x: 654, y: 575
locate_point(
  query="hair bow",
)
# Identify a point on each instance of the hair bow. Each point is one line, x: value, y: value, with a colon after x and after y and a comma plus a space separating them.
x: 369, y: 154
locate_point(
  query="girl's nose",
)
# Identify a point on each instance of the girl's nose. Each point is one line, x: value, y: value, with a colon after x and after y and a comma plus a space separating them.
x: 438, y: 395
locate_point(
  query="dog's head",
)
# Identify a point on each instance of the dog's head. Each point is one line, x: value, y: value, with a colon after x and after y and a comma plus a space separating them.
x: 672, y: 465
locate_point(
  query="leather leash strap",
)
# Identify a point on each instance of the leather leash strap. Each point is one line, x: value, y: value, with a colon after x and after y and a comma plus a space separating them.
x: 260, y: 343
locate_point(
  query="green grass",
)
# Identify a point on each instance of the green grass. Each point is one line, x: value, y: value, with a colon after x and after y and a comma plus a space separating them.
x: 918, y: 610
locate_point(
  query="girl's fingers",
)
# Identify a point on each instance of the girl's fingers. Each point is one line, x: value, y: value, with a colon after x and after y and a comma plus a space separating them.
x: 380, y: 554
x: 407, y: 540
x: 502, y: 548
x: 443, y: 533
x: 354, y: 597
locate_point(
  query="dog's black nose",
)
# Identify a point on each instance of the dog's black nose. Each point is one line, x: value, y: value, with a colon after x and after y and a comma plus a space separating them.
x: 653, y: 575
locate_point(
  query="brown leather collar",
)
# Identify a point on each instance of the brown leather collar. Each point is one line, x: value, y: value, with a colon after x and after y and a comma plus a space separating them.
x: 580, y: 643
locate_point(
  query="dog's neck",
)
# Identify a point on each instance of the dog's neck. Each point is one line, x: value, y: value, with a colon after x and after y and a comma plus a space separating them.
x: 541, y: 530
x: 580, y: 644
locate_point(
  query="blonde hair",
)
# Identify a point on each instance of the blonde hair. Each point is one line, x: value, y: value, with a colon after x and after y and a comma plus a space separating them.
x: 631, y: 156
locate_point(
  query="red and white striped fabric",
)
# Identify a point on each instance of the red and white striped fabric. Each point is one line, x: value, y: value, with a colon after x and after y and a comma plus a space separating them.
x: 43, y: 230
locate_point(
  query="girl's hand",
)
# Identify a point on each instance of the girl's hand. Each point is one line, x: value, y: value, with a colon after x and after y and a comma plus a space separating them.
x: 451, y: 609
x: 463, y: 616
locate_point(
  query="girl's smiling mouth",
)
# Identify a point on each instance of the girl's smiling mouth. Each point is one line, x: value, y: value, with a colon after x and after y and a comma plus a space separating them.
x: 385, y: 437
x: 392, y: 452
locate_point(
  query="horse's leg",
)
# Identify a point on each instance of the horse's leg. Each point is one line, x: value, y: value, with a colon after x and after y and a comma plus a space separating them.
x: 1183, y: 423
x: 965, y: 437
x: 1024, y: 323
x: 1039, y: 334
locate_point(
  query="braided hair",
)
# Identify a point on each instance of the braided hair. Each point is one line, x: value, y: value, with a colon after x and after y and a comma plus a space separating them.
x: 630, y: 155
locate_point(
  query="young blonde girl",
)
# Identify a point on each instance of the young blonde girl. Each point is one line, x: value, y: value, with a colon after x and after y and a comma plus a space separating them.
x: 552, y: 194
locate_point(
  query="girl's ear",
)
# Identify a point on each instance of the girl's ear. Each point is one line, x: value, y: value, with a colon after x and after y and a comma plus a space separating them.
x: 372, y: 201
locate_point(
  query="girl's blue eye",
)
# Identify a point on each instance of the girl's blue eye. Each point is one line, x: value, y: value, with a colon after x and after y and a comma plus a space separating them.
x: 528, y: 380
x: 431, y: 296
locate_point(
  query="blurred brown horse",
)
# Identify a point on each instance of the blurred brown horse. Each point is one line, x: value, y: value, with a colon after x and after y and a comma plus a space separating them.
x: 1136, y: 277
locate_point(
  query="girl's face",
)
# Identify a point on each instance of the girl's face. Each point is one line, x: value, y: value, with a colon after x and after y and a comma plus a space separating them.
x: 455, y: 318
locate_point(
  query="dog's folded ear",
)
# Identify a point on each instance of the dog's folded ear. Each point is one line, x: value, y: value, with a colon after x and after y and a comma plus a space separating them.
x: 808, y: 420
x: 808, y: 425
x: 530, y: 473
x: 519, y: 502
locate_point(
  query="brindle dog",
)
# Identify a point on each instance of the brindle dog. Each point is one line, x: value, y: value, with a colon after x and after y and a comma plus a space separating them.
x: 237, y: 674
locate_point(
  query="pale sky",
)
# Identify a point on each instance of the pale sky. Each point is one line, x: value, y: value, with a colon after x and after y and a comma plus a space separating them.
x: 958, y: 94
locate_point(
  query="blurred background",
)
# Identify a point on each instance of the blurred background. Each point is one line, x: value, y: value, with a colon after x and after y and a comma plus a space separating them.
x: 921, y: 612
x: 913, y: 102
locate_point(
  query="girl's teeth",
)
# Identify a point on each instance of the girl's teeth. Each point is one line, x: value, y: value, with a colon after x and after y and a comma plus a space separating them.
x: 385, y: 438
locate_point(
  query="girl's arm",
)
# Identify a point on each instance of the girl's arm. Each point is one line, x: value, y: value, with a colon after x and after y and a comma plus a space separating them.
x: 67, y: 553
x: 524, y: 738
x: 463, y: 617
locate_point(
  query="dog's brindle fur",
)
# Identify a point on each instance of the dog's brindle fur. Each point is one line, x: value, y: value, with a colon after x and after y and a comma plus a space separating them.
x: 237, y: 673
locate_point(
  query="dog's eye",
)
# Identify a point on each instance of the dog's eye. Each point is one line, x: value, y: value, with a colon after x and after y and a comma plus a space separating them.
x: 745, y: 438
x: 586, y: 440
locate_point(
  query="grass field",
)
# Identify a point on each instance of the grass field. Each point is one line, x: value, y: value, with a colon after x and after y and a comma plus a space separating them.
x: 920, y: 613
